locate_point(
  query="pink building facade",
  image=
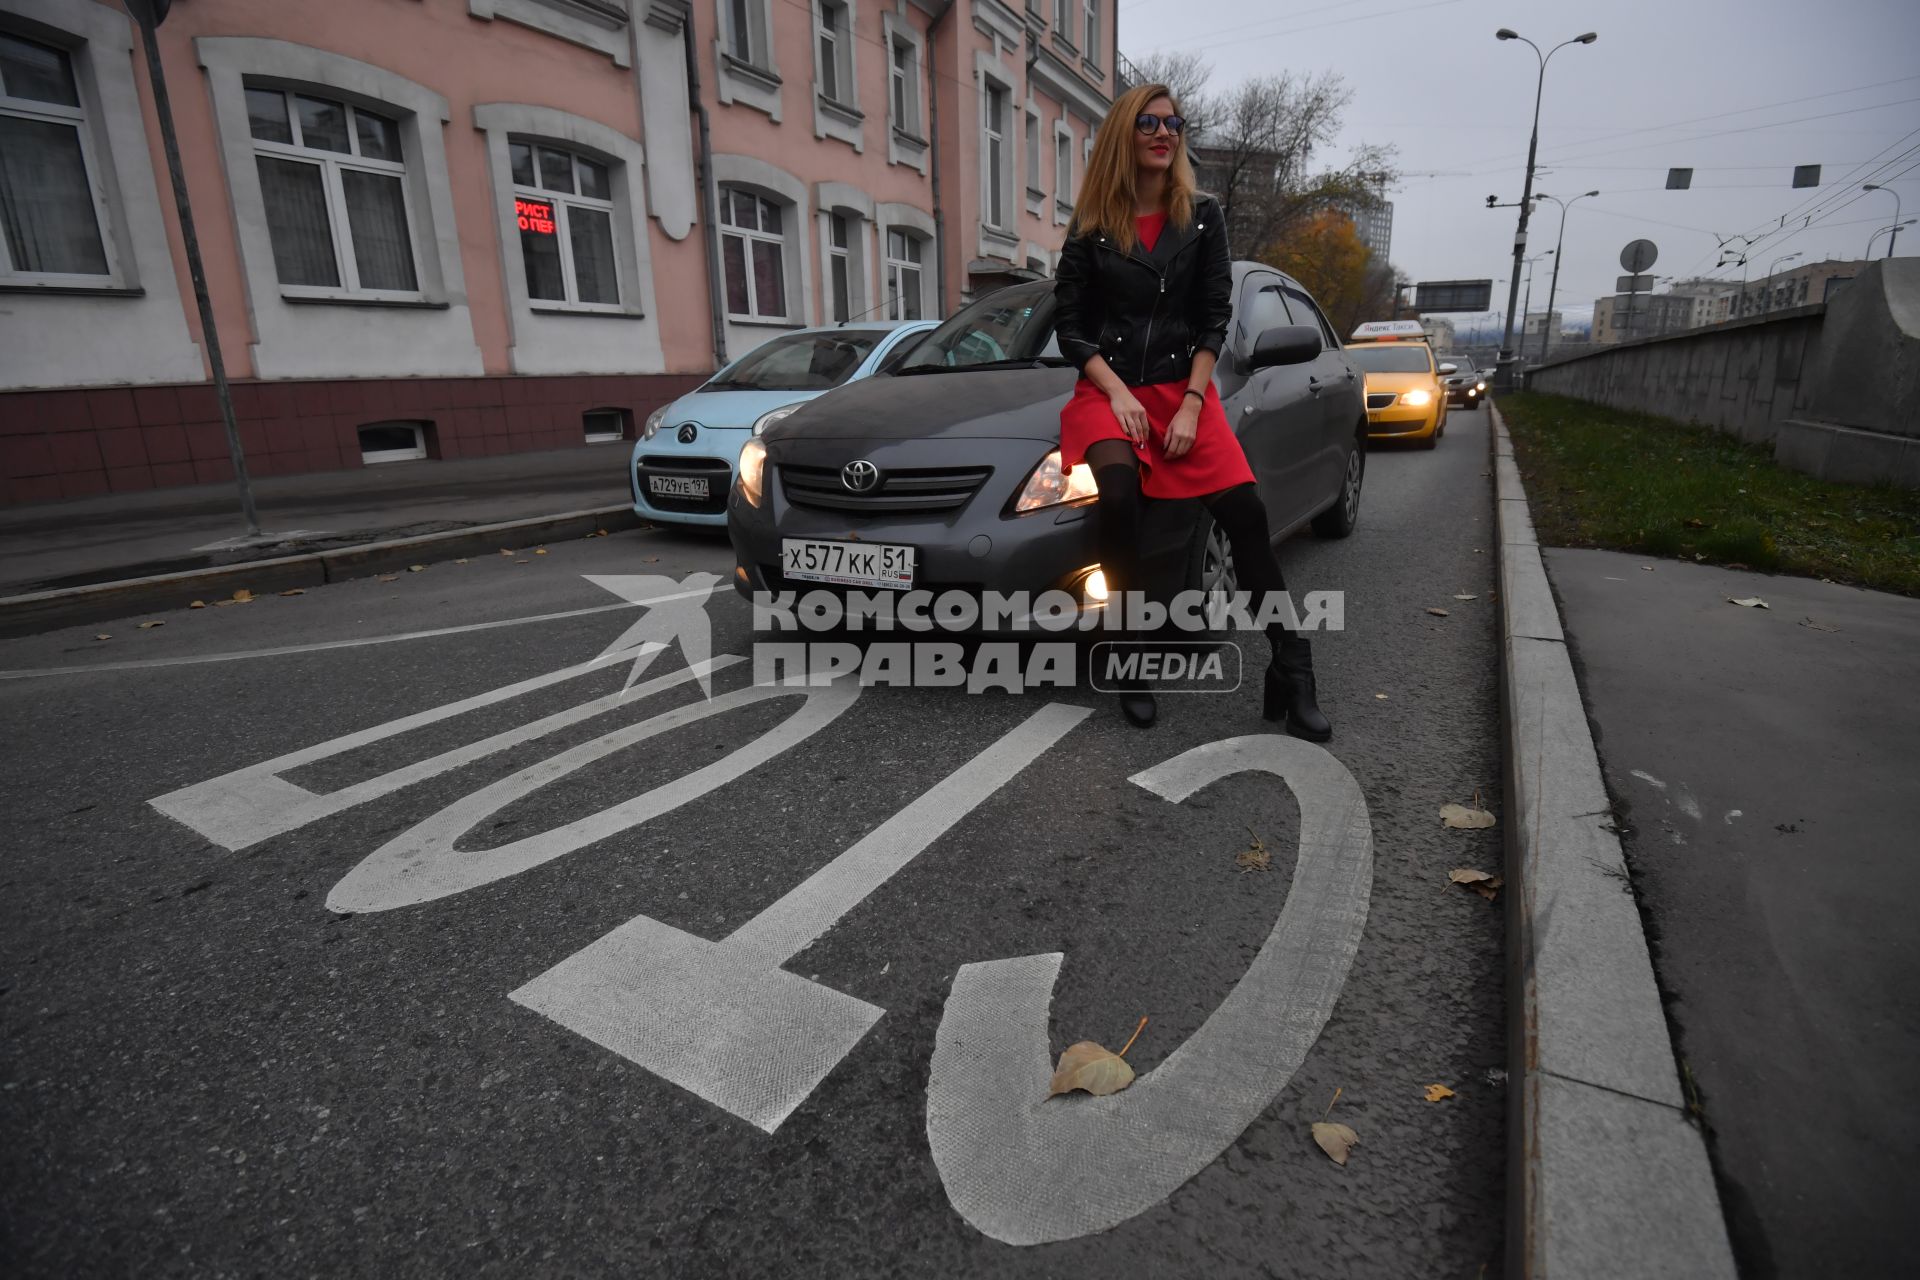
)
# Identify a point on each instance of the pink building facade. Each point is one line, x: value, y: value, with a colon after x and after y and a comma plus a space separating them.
x: 451, y: 228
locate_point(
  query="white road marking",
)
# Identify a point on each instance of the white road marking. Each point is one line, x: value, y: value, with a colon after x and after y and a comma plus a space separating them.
x: 281, y: 651
x: 1649, y: 779
x: 1025, y: 1169
x: 722, y: 1019
x: 422, y: 863
x: 1688, y: 805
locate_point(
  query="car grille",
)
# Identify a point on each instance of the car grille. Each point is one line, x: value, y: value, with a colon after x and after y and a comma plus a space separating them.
x: 905, y: 491
x: 717, y: 471
x: 1380, y: 399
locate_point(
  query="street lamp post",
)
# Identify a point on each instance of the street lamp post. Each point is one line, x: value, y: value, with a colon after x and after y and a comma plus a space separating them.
x: 1503, y: 370
x: 1874, y: 186
x: 1554, y: 287
x: 1785, y: 257
x: 1526, y: 306
x: 1895, y: 228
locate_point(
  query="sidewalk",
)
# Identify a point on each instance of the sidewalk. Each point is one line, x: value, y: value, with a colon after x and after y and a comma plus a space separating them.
x: 1763, y: 775
x: 69, y: 544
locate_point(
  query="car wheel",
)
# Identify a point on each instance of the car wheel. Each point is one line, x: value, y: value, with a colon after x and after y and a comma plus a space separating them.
x: 1210, y: 563
x: 1338, y: 520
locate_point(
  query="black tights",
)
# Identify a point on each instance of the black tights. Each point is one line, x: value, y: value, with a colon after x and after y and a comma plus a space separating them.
x: 1238, y: 511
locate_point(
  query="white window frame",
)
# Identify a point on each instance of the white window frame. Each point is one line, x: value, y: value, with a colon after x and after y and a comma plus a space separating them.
x: 840, y: 200
x: 991, y: 91
x: 103, y: 224
x: 906, y: 138
x: 1034, y: 159
x: 1063, y: 22
x: 1090, y: 54
x: 748, y: 237
x: 903, y: 86
x: 332, y: 164
x: 379, y: 456
x: 1062, y: 172
x: 562, y: 202
x: 892, y: 219
x: 896, y: 268
x: 798, y: 260
x: 833, y: 50
x: 622, y: 416
x: 754, y: 80
x: 843, y: 255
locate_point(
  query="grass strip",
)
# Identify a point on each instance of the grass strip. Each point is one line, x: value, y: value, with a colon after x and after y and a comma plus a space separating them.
x: 1600, y: 477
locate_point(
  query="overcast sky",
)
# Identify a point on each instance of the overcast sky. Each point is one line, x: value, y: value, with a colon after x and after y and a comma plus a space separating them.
x: 1741, y: 91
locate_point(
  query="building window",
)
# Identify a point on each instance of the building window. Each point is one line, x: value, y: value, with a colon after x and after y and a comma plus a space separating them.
x: 603, y: 425
x: 1033, y: 153
x: 840, y: 264
x: 1063, y: 169
x: 836, y: 52
x: 1063, y: 19
x: 905, y: 275
x: 906, y: 88
x: 746, y: 38
x: 392, y: 442
x: 47, y: 186
x: 753, y: 246
x: 563, y: 204
x: 993, y: 187
x: 335, y: 193
x: 1093, y: 32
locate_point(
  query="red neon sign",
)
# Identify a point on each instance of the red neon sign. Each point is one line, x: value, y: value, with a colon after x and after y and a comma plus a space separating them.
x: 535, y: 216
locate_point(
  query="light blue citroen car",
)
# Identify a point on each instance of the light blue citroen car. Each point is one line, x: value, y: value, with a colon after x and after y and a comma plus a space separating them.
x: 683, y: 463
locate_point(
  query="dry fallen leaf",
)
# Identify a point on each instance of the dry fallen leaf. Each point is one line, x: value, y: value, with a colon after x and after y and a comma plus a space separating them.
x: 1335, y: 1139
x: 1490, y: 889
x: 523, y: 562
x: 1435, y: 1092
x: 1438, y: 613
x: 1460, y: 817
x: 649, y: 559
x: 1749, y: 602
x: 1253, y: 860
x: 1381, y: 696
x: 104, y: 635
x: 243, y: 596
x: 540, y: 551
x: 1090, y: 1067
x: 416, y: 568
x: 1468, y: 875
x: 1693, y: 522
x: 198, y: 604
x: 294, y: 591
x: 388, y: 577
x: 1464, y: 596
x: 1647, y: 568
x: 459, y: 561
x: 157, y: 622
x: 505, y: 552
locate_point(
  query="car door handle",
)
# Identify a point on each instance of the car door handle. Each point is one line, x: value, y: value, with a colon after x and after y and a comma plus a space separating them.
x: 1313, y: 385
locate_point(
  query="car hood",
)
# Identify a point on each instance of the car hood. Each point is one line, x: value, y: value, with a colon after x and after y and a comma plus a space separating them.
x: 1399, y: 381
x: 730, y: 408
x: 993, y: 404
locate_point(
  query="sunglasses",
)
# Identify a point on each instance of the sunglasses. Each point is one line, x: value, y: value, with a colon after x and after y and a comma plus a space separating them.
x: 1147, y: 124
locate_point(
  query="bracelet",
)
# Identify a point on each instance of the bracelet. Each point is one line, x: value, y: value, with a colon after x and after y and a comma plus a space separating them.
x: 1201, y: 394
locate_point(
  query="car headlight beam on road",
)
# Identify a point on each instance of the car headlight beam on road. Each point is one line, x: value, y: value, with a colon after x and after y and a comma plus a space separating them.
x: 753, y: 466
x: 654, y: 419
x: 1049, y: 487
x: 772, y: 416
x: 1416, y: 398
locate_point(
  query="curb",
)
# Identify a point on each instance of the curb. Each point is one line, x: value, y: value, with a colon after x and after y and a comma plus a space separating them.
x: 45, y: 610
x: 1607, y: 1177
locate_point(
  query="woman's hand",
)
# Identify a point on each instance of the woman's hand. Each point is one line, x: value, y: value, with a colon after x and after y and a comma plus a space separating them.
x: 1131, y: 415
x: 1184, y: 427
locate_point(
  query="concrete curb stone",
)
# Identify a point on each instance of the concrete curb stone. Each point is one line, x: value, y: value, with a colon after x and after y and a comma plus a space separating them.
x: 46, y: 610
x: 1608, y: 1178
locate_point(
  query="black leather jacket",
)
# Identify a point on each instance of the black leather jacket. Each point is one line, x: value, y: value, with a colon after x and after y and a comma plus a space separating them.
x: 1147, y: 313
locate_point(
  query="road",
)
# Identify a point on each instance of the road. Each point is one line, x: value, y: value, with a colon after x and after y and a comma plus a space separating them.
x: 731, y: 1029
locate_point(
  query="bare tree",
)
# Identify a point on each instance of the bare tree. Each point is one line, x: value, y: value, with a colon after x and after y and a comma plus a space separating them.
x: 1184, y: 73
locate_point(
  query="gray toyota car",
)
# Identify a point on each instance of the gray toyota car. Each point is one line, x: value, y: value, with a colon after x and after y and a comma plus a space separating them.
x: 943, y: 471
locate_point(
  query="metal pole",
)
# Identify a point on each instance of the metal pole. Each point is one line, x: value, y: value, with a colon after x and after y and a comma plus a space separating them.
x: 1503, y: 366
x: 1559, y: 241
x: 1875, y: 186
x: 163, y: 108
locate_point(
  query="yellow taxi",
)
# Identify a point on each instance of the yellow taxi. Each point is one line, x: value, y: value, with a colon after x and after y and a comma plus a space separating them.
x: 1405, y: 400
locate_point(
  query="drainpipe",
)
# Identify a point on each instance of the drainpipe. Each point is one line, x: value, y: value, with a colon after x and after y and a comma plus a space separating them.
x: 933, y: 142
x: 709, y: 198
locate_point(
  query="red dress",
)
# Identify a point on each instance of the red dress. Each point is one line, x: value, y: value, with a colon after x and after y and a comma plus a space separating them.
x: 1214, y: 462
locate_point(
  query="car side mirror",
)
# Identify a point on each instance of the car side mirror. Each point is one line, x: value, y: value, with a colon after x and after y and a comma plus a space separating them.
x: 1285, y: 344
x: 1449, y: 368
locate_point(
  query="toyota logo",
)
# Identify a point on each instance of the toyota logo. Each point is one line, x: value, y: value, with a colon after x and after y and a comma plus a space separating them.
x: 687, y: 433
x: 860, y: 476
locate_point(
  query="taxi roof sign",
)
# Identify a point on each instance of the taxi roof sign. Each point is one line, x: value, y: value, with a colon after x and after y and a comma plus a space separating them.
x: 1389, y: 331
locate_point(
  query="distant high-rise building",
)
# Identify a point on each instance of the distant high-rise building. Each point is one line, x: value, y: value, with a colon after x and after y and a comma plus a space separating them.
x: 1374, y: 223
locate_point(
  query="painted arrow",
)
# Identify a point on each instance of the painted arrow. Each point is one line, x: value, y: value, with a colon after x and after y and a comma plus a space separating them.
x: 1025, y: 1169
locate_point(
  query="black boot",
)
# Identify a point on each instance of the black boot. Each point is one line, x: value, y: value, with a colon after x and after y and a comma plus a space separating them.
x: 1290, y: 691
x: 1138, y: 706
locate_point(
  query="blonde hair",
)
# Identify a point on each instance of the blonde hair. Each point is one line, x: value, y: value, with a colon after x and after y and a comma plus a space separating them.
x: 1107, y: 191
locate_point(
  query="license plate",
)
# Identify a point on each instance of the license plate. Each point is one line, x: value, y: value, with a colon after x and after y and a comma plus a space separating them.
x: 847, y: 564
x: 677, y: 486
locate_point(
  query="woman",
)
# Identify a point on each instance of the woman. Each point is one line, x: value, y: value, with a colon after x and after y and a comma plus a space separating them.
x: 1145, y: 294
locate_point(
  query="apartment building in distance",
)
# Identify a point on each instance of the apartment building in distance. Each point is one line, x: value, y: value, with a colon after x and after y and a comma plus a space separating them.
x: 450, y: 228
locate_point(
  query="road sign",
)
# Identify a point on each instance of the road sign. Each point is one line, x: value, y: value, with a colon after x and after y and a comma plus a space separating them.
x: 1453, y: 295
x: 1633, y: 284
x: 1806, y: 175
x: 1639, y: 255
x: 1679, y: 179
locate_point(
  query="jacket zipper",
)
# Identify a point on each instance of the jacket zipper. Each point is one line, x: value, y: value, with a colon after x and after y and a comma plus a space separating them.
x: 1146, y: 341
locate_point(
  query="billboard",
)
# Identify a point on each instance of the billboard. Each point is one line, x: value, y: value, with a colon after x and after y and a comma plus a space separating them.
x: 1453, y: 295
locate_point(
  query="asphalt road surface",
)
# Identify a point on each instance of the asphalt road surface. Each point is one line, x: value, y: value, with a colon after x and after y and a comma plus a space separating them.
x: 763, y: 992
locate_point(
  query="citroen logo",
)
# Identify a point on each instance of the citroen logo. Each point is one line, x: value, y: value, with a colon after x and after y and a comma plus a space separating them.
x: 860, y: 476
x: 687, y: 433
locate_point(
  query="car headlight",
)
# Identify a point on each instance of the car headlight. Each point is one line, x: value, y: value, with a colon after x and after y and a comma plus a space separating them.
x: 1479, y: 386
x: 1417, y: 398
x: 654, y: 419
x: 772, y: 416
x: 753, y: 467
x: 1049, y: 486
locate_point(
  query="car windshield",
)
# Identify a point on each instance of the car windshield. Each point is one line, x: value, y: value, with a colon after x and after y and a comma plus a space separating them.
x: 1012, y: 326
x: 800, y: 362
x: 1392, y: 357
